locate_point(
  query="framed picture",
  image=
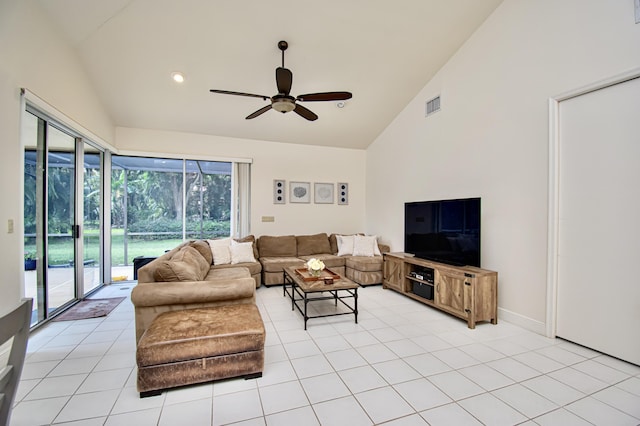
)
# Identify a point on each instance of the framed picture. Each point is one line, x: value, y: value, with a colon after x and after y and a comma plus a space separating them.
x: 299, y: 192
x: 343, y: 193
x: 278, y: 191
x: 323, y: 193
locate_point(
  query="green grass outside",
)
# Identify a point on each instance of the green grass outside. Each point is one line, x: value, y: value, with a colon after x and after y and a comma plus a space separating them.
x: 61, y: 248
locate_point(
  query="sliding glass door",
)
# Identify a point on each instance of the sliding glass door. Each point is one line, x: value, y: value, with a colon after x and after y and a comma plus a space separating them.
x: 92, y: 218
x: 62, y: 216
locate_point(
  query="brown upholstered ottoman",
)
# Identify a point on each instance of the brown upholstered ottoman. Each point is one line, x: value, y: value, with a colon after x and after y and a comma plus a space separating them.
x: 199, y: 345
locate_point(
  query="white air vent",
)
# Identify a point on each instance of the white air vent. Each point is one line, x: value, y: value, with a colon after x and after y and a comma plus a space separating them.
x: 432, y: 106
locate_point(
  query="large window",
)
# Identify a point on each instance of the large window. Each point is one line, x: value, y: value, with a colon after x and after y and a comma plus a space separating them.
x: 158, y: 202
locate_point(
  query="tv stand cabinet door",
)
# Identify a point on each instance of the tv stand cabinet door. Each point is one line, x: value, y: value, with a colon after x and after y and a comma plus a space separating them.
x: 452, y: 295
x: 393, y: 269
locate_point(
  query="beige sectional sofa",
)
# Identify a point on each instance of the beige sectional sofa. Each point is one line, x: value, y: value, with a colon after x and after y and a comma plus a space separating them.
x: 272, y: 254
x: 184, y: 278
x: 279, y: 252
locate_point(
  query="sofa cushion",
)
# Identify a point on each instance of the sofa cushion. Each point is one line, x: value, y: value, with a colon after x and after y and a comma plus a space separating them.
x: 313, y: 244
x: 241, y: 253
x: 203, y: 248
x: 365, y: 263
x: 200, y: 333
x: 269, y: 246
x: 185, y: 265
x: 278, y: 263
x: 227, y: 273
x: 253, y: 267
x: 333, y: 243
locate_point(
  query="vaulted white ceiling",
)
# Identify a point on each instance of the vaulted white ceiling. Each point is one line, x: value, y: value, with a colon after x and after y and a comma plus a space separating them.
x: 382, y: 51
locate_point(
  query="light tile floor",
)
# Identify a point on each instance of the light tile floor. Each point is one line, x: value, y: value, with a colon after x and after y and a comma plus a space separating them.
x: 403, y: 364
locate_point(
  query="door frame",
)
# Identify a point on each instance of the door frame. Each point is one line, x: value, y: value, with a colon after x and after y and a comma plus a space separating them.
x: 554, y: 188
x: 50, y: 119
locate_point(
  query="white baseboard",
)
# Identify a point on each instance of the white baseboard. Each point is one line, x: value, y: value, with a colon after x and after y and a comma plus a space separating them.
x: 527, y: 323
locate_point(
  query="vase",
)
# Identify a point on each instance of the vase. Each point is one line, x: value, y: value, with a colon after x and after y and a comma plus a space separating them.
x: 315, y: 272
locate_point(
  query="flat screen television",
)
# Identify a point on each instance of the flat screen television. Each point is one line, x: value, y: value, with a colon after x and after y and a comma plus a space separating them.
x: 446, y: 231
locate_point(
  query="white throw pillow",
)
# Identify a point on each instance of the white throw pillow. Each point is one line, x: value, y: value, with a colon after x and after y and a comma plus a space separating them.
x: 376, y: 249
x: 221, y: 255
x: 345, y: 245
x: 241, y: 253
x: 220, y: 251
x: 365, y: 245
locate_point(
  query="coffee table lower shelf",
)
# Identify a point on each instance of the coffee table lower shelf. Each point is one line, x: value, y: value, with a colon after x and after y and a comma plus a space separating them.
x: 302, y: 296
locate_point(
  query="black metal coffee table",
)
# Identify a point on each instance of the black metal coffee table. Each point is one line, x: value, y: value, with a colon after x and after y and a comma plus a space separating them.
x: 306, y: 291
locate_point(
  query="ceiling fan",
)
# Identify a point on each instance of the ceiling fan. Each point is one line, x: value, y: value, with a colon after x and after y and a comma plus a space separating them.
x: 283, y: 102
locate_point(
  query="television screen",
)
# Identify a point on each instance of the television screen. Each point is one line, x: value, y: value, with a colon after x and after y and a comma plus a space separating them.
x: 446, y: 231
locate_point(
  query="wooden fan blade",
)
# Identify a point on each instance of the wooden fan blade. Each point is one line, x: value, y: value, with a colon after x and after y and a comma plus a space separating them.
x: 325, y: 96
x: 258, y: 112
x: 228, y: 92
x: 284, y: 78
x: 305, y: 113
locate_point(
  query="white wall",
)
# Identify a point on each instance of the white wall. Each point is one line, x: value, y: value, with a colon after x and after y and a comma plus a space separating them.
x: 491, y: 137
x: 33, y: 55
x: 272, y: 161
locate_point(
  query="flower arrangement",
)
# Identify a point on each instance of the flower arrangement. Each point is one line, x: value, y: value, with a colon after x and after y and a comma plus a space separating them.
x: 315, y: 266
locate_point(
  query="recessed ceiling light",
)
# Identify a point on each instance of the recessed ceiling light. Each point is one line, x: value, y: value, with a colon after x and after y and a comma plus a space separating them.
x: 178, y: 77
x: 340, y: 104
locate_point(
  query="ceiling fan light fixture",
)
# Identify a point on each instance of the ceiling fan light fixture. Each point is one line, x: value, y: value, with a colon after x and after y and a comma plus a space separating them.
x: 283, y: 105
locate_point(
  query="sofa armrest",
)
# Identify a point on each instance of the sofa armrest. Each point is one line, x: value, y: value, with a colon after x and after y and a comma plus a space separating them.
x: 384, y: 248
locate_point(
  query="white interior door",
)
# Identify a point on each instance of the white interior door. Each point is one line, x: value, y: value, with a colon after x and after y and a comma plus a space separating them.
x: 598, y: 300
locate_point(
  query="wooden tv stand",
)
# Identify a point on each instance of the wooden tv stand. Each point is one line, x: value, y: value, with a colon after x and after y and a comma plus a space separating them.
x: 467, y: 292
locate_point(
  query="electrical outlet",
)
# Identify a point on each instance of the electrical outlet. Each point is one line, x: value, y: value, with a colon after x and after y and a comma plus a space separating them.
x: 10, y: 226
x: 268, y: 219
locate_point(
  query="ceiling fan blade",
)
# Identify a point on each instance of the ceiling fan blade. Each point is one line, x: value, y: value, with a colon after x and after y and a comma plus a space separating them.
x: 258, y: 112
x: 305, y: 113
x: 251, y: 95
x: 325, y: 96
x: 284, y: 78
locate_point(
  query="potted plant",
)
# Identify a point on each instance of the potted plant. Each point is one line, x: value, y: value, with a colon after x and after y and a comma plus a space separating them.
x: 29, y: 261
